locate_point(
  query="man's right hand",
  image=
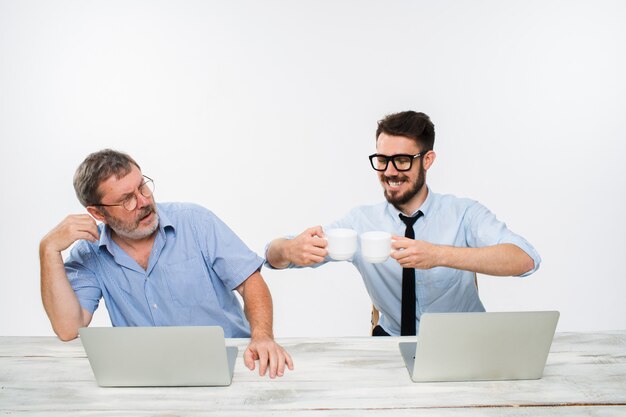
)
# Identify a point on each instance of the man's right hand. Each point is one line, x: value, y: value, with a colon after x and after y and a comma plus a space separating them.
x: 74, y: 227
x: 59, y: 300
x: 308, y: 248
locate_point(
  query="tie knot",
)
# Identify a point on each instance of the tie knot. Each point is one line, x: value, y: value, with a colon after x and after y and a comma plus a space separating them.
x: 410, y: 221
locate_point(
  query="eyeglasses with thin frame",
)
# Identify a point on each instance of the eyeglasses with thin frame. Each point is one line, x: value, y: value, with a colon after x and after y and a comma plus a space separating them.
x: 401, y: 162
x: 146, y: 189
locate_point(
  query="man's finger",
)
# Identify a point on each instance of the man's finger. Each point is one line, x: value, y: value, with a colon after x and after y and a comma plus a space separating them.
x: 316, y: 259
x: 92, y: 229
x: 401, y: 243
x: 248, y: 358
x: 318, y: 242
x: 317, y: 231
x: 318, y: 251
x: 400, y: 254
x: 405, y: 263
x: 289, y: 360
x: 281, y: 362
x: 263, y: 362
x: 86, y: 236
x: 273, y: 359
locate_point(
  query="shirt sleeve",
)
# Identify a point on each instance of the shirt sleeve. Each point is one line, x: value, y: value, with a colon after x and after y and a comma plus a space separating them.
x: 228, y: 256
x: 82, y: 277
x: 484, y: 229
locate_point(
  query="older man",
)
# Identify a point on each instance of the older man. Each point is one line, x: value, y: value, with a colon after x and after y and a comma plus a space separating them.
x: 167, y: 264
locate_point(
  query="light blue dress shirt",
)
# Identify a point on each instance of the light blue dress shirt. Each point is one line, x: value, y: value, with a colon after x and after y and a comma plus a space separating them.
x: 195, y: 264
x: 447, y: 220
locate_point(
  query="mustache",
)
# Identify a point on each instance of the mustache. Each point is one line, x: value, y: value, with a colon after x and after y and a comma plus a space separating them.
x: 145, y: 212
x: 394, y: 178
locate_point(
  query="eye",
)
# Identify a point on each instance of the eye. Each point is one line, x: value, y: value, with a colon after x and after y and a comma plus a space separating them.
x: 130, y: 202
x: 402, y: 160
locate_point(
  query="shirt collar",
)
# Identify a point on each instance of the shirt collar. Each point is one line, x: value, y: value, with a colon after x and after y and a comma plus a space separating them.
x: 164, y: 222
x: 424, y: 208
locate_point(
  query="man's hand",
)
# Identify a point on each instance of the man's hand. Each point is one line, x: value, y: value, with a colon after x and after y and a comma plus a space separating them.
x: 270, y: 355
x: 258, y: 308
x: 74, y: 227
x: 414, y: 253
x: 307, y: 248
x: 59, y: 300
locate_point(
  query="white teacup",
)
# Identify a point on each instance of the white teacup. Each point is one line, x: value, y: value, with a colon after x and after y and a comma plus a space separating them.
x: 341, y: 243
x: 375, y: 246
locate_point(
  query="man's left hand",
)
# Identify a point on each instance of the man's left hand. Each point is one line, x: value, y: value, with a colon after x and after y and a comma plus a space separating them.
x: 270, y: 355
x: 414, y: 253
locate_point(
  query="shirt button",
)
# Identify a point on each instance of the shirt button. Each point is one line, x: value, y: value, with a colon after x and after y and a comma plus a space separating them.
x: 155, y: 306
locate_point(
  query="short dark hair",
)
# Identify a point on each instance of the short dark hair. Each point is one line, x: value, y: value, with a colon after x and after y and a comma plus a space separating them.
x: 411, y: 124
x: 95, y: 169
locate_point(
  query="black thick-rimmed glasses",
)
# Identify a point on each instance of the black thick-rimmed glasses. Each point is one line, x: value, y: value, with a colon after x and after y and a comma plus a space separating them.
x: 402, y: 162
x: 146, y: 189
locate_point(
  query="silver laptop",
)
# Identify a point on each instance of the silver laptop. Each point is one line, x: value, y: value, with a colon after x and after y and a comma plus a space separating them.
x: 480, y: 346
x: 159, y: 356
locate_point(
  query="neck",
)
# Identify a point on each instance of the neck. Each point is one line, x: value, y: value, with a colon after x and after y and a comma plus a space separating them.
x: 415, y: 203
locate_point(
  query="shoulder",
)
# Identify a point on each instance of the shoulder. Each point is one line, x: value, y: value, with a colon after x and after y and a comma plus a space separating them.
x: 368, y: 211
x: 183, y: 209
x: 364, y: 217
x: 177, y: 212
x: 451, y: 206
x: 452, y: 202
x: 189, y: 217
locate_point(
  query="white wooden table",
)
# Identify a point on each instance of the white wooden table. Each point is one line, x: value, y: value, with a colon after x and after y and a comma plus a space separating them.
x: 585, y: 376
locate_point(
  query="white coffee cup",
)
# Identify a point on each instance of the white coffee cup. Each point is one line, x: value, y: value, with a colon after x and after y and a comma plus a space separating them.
x: 375, y: 246
x: 341, y: 243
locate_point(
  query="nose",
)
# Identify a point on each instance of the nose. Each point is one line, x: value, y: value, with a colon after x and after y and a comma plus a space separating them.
x: 142, y: 200
x: 391, y: 170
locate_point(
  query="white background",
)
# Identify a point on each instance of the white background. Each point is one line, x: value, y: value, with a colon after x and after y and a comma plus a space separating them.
x: 265, y: 112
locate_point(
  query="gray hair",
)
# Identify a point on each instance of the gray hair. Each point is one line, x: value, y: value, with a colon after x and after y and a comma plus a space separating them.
x: 95, y: 169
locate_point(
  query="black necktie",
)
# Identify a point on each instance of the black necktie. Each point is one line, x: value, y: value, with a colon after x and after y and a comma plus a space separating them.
x: 407, y: 321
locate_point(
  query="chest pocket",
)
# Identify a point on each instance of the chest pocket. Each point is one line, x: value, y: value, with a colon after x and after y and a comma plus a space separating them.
x: 189, y: 282
x: 440, y: 277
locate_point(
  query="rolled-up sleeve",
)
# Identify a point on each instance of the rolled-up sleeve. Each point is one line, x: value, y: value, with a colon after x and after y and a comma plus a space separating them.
x: 229, y: 257
x: 82, y: 277
x: 484, y: 229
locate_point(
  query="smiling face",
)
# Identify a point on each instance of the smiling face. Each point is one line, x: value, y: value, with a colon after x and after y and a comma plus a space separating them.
x: 138, y: 224
x: 403, y: 189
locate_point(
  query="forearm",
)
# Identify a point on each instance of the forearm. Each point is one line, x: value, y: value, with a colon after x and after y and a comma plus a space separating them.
x: 277, y: 253
x: 258, y: 306
x: 499, y: 260
x: 262, y: 347
x: 59, y: 300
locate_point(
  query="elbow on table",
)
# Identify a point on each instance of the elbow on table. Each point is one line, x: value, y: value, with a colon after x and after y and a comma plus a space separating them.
x: 65, y: 335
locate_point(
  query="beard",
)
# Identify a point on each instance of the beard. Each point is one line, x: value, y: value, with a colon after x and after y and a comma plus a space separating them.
x: 132, y: 229
x: 398, y: 199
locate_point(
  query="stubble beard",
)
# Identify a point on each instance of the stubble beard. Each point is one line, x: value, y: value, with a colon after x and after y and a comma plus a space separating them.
x: 131, y: 230
x: 399, y: 200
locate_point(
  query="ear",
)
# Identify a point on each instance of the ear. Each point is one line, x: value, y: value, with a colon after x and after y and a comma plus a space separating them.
x: 429, y: 159
x: 96, y: 213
